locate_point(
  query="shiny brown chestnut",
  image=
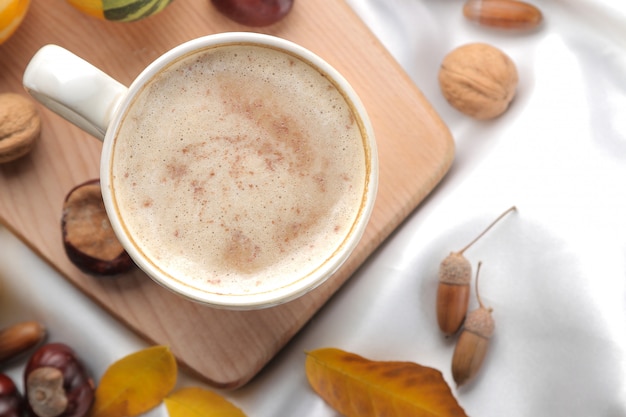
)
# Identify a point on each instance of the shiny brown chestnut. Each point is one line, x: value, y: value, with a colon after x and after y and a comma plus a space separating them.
x: 88, y: 237
x: 56, y: 383
x: 11, y: 401
x: 254, y: 12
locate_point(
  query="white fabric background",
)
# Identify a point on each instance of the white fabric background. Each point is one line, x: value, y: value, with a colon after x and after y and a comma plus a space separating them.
x: 554, y: 271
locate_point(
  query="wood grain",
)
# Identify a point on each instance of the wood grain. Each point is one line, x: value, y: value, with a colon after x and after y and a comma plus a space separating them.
x: 225, y: 348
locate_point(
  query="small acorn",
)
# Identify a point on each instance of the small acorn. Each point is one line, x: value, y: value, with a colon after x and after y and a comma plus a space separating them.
x: 453, y: 292
x: 455, y: 275
x: 471, y: 348
x: 18, y: 338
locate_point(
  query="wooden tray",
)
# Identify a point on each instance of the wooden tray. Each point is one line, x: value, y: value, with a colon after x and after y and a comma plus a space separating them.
x: 225, y: 348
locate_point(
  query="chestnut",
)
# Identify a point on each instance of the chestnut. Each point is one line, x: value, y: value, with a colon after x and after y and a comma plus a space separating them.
x: 88, y: 237
x: 56, y: 383
x: 254, y: 12
x: 11, y: 401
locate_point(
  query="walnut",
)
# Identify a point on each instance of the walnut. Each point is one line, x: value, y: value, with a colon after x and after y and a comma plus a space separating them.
x: 20, y: 126
x: 479, y: 80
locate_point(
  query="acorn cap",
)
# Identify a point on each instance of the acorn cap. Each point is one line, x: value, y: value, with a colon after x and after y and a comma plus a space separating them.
x: 480, y: 322
x: 455, y: 269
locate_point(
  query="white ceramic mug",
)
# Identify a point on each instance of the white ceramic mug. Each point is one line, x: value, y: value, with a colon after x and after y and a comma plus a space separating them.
x: 251, y: 237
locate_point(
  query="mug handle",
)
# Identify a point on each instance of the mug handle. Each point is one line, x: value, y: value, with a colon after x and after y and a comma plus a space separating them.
x: 73, y: 88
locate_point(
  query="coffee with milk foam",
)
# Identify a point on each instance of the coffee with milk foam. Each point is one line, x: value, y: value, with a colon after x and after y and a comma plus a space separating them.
x: 238, y: 169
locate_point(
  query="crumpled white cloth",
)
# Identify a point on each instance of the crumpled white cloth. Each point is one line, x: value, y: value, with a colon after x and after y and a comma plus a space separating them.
x: 554, y: 271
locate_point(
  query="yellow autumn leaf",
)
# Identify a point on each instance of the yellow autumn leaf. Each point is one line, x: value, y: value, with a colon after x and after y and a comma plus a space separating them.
x: 199, y: 402
x: 136, y: 383
x: 359, y: 387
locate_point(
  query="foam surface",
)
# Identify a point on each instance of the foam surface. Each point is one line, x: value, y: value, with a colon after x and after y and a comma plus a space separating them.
x: 239, y: 169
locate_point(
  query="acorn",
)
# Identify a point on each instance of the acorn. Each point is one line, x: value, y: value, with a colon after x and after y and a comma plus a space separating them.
x: 471, y: 348
x: 19, y: 338
x: 453, y: 292
x: 455, y: 275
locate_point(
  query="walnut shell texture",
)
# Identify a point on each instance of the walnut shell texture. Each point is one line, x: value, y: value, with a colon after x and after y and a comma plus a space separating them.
x: 479, y: 80
x: 20, y: 126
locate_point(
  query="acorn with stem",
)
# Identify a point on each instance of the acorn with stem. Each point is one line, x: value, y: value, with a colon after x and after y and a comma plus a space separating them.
x: 455, y: 275
x: 471, y: 348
